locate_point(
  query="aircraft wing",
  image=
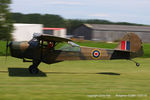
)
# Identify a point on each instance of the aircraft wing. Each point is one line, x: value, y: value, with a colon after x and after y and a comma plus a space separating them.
x: 47, y: 37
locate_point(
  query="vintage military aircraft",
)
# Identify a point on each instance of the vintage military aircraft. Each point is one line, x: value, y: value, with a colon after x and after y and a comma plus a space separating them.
x: 50, y: 49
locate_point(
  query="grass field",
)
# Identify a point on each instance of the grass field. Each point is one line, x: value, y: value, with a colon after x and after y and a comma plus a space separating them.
x: 76, y: 80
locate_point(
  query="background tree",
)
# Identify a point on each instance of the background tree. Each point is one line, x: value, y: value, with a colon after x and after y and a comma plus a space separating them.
x: 6, y: 26
x: 49, y: 20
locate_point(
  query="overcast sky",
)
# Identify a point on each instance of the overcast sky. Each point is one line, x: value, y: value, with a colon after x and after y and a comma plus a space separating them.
x: 135, y: 11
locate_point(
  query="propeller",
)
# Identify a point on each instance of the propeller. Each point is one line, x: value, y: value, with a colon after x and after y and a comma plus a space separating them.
x: 7, y: 45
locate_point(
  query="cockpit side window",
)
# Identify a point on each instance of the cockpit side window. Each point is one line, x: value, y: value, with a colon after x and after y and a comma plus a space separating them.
x: 47, y: 44
x: 68, y: 47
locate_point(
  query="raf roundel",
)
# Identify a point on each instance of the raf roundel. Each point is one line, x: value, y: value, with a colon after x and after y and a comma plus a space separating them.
x: 96, y: 54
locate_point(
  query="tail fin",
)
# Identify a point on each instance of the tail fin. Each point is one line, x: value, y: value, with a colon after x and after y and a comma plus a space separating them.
x: 132, y: 43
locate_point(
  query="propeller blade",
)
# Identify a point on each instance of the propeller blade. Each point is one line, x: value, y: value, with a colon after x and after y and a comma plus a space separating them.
x: 7, y: 45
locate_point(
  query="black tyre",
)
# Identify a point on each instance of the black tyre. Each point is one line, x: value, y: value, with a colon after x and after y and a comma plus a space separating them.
x: 137, y: 64
x: 33, y: 69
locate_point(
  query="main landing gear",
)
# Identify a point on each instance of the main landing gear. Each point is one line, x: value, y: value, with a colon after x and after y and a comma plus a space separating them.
x: 33, y: 69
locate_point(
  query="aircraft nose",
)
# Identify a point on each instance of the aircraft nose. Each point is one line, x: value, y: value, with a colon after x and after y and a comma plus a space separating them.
x: 17, y: 48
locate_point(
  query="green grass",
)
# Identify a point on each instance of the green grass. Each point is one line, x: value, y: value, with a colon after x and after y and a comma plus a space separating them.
x: 98, y: 44
x: 146, y: 47
x: 2, y: 48
x: 75, y: 80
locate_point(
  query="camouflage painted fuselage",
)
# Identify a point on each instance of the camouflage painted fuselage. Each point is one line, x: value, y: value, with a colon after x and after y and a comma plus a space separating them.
x: 46, y: 55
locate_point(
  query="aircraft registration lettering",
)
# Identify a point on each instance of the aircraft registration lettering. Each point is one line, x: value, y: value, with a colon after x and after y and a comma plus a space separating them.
x: 96, y: 54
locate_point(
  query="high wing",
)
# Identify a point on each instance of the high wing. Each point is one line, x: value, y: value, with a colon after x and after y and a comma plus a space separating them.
x: 46, y: 37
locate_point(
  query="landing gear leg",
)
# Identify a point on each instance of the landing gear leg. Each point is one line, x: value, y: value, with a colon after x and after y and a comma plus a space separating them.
x: 33, y: 69
x: 137, y: 64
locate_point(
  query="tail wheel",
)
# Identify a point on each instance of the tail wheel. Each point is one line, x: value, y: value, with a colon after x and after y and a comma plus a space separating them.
x: 137, y: 64
x: 33, y: 69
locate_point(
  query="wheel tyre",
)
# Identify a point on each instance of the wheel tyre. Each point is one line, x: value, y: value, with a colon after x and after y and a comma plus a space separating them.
x: 33, y: 70
x: 137, y: 64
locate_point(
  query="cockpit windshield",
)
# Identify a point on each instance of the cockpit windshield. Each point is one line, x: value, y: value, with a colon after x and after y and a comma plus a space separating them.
x: 70, y: 46
x: 73, y: 44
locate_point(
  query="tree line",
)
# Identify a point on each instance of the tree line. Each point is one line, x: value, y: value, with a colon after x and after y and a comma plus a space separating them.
x: 49, y: 20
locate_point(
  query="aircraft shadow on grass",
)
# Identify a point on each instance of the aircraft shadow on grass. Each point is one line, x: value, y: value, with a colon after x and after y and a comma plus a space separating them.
x: 108, y: 73
x: 24, y: 72
x: 105, y: 73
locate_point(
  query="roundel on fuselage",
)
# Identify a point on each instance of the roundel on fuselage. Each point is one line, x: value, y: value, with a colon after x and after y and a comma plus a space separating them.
x: 96, y: 54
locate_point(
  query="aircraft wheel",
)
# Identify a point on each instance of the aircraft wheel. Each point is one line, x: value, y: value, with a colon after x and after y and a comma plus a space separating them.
x: 33, y: 69
x: 137, y: 64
